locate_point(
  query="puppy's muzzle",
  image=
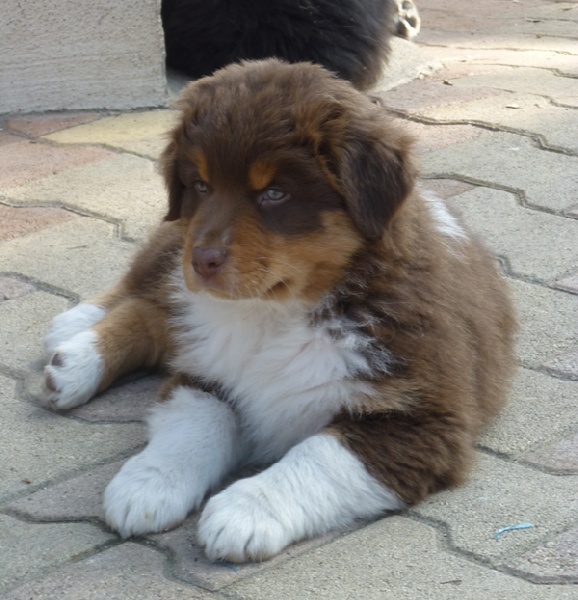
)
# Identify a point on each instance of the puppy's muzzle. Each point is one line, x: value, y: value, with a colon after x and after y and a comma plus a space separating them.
x: 208, y: 261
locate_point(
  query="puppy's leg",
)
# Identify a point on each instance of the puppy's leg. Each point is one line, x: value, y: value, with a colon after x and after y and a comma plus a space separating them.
x: 194, y: 443
x: 317, y: 486
x: 406, y: 20
x: 132, y: 335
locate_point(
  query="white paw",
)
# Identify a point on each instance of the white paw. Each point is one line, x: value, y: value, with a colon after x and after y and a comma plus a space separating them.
x: 145, y: 497
x: 74, y: 373
x: 66, y: 325
x: 407, y: 20
x: 242, y: 524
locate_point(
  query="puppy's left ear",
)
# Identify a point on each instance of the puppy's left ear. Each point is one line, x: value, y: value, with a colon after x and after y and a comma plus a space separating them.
x: 376, y: 173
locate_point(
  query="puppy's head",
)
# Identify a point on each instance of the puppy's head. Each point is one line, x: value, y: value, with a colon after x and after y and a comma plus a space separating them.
x: 280, y: 174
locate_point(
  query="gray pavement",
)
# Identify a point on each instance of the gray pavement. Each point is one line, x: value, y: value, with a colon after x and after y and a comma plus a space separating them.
x: 491, y: 92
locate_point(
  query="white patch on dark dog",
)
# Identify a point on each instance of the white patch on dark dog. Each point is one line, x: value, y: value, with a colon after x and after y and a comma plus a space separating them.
x: 193, y: 444
x: 74, y: 373
x: 317, y: 486
x: 444, y: 221
x: 276, y: 367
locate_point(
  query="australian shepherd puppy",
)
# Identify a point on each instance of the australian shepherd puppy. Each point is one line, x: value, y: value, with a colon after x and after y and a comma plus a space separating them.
x: 349, y: 37
x: 318, y: 313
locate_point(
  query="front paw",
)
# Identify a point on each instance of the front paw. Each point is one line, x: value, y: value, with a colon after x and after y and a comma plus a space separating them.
x: 66, y: 325
x: 74, y: 373
x: 147, y: 498
x: 242, y: 524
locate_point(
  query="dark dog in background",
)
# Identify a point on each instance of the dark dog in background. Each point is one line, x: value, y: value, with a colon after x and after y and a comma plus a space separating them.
x: 351, y: 38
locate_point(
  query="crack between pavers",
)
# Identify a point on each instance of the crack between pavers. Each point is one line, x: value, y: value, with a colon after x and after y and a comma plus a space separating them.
x: 507, y: 49
x: 43, y: 286
x: 537, y: 138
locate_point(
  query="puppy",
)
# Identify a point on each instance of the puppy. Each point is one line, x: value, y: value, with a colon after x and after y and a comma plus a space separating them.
x: 349, y: 37
x: 318, y: 314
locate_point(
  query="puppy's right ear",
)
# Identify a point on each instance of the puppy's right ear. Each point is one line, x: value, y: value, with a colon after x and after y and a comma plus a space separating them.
x: 173, y: 183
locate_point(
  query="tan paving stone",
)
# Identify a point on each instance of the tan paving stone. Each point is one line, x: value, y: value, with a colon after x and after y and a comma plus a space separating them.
x: 144, y: 133
x: 446, y: 188
x: 560, y: 457
x: 555, y: 561
x: 524, y: 112
x: 127, y: 572
x: 6, y: 139
x: 511, y: 161
x: 18, y: 221
x: 522, y: 236
x: 501, y: 494
x: 82, y: 256
x: 428, y: 138
x: 45, y: 123
x: 30, y: 549
x: 540, y: 409
x: 26, y: 161
x: 548, y: 322
x: 569, y: 284
x: 122, y: 187
x: 393, y: 559
x: 39, y: 446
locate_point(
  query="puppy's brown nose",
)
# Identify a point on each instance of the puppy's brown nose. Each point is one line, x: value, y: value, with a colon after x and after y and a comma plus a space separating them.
x: 207, y: 261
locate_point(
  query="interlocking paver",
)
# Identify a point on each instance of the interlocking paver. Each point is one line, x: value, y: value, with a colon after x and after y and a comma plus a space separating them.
x: 143, y: 133
x: 11, y: 288
x: 123, y: 187
x: 565, y: 365
x: 539, y: 410
x: 39, y: 446
x: 520, y: 235
x: 548, y: 322
x: 43, y: 124
x: 560, y: 457
x: 127, y: 572
x: 18, y: 221
x: 29, y: 549
x: 82, y: 256
x: 502, y: 494
x: 394, y: 558
x: 512, y: 162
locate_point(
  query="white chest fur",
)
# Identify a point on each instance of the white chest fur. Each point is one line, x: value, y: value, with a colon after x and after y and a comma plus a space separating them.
x: 285, y: 377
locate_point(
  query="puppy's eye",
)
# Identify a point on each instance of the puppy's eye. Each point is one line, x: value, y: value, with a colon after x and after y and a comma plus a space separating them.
x: 273, y: 196
x: 201, y: 186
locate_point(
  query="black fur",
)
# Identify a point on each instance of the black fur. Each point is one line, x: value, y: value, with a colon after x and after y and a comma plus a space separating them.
x: 348, y: 37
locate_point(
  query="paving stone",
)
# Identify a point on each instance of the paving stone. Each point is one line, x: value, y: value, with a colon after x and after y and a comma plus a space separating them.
x: 513, y: 162
x: 394, y: 558
x: 191, y: 564
x: 39, y: 446
x: 500, y: 494
x: 560, y: 457
x: 26, y: 161
x: 572, y: 212
x: 523, y: 112
x: 45, y: 123
x: 129, y: 571
x: 568, y: 284
x: 548, y: 322
x: 144, y: 133
x: 565, y: 365
x: 11, y: 288
x: 6, y: 139
x: 428, y: 138
x: 123, y: 187
x: 34, y: 548
x: 563, y: 63
x: 80, y: 497
x: 555, y: 561
x: 128, y: 400
x: 521, y: 235
x: 18, y: 221
x: 540, y: 409
x: 526, y: 80
x: 82, y: 256
x: 24, y: 323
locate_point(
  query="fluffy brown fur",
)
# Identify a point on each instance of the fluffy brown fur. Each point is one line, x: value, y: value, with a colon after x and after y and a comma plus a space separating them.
x: 351, y: 238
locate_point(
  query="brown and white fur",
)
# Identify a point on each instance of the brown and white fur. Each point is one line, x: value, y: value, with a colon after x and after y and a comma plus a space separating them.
x: 318, y: 313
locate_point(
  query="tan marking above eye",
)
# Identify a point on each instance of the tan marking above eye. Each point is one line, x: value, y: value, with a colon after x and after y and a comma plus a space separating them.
x: 200, y: 162
x: 261, y: 174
